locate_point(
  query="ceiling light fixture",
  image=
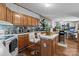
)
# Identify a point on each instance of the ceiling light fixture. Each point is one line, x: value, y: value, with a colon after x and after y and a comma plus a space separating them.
x: 47, y: 4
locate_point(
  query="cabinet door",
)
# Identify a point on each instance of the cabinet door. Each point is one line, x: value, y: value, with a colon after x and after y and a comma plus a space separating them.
x: 25, y: 20
x: 21, y: 19
x: 36, y: 22
x: 29, y: 20
x: 21, y: 41
x: 27, y: 42
x: 46, y: 47
x: 32, y: 21
x: 9, y: 16
x: 16, y: 18
x: 3, y: 12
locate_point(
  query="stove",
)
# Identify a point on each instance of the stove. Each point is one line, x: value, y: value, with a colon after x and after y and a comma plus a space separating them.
x: 11, y: 43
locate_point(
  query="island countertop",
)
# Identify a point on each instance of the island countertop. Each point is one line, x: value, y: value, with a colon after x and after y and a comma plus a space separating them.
x: 48, y: 36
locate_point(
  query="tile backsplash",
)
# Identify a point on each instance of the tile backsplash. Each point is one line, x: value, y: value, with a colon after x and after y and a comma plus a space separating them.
x: 9, y: 29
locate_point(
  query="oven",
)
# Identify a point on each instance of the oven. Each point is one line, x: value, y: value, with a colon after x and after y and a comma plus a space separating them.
x: 12, y: 45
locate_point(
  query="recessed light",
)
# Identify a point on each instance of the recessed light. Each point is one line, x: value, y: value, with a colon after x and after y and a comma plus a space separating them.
x: 47, y: 4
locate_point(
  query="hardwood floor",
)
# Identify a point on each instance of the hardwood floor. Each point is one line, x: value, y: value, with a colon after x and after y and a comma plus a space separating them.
x: 71, y: 50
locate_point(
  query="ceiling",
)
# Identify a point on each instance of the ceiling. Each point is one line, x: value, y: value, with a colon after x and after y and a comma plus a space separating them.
x: 54, y: 10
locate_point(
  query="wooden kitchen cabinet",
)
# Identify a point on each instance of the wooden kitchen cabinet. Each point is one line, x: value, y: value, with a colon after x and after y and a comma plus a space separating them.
x: 29, y: 21
x: 21, y: 42
x: 49, y: 46
x: 9, y: 15
x: 33, y: 22
x: 22, y: 20
x: 27, y: 42
x: 16, y: 18
x: 54, y: 43
x: 25, y: 20
x: 3, y: 12
x: 36, y: 22
x: 45, y: 47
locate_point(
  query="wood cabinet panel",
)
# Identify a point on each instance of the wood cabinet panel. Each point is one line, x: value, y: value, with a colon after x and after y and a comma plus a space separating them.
x: 3, y: 12
x: 33, y: 21
x: 27, y: 42
x: 36, y: 22
x: 25, y: 20
x: 49, y: 47
x: 21, y: 19
x: 16, y: 18
x: 29, y: 20
x: 45, y: 47
x: 9, y: 16
x: 21, y: 41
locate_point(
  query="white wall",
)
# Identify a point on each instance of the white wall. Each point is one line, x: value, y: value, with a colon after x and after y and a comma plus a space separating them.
x: 19, y: 9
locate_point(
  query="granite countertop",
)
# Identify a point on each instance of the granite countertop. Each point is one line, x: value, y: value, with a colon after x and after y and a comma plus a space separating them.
x: 3, y: 50
x: 48, y: 36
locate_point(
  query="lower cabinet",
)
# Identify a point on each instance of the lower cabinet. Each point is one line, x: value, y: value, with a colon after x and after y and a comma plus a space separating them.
x: 21, y: 42
x: 48, y: 47
x: 45, y: 47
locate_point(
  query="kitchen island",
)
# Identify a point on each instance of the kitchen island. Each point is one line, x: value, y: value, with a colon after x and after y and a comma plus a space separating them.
x: 48, y: 44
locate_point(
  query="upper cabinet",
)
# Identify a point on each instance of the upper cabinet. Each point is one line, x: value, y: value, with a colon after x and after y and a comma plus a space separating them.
x: 21, y: 19
x: 9, y: 17
x: 33, y: 21
x: 25, y: 20
x: 29, y: 20
x: 16, y: 18
x: 2, y: 12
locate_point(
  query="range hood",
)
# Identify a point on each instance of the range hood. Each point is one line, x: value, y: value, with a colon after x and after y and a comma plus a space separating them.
x: 5, y: 23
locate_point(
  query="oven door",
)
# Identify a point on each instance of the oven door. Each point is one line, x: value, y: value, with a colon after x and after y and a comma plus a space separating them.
x: 13, y: 45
